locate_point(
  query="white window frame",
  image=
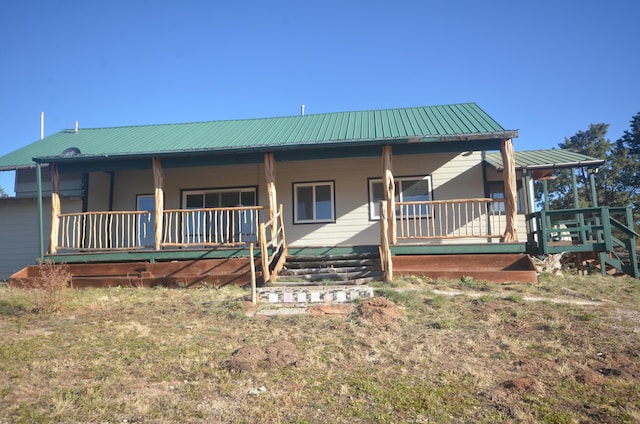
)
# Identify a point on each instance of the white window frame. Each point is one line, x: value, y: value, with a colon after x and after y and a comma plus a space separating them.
x: 203, y: 192
x: 496, y: 191
x: 374, y: 204
x: 314, y: 185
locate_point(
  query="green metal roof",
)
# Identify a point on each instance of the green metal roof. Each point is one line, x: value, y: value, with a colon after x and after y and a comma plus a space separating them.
x: 545, y: 159
x: 425, y: 124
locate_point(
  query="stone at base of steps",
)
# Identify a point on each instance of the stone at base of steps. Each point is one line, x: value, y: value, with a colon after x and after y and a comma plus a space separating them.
x: 304, y: 296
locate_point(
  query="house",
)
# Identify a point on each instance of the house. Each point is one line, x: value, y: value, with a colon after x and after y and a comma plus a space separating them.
x: 164, y: 204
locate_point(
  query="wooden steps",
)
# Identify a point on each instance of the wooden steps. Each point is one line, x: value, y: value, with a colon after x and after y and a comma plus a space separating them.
x: 496, y: 268
x: 347, y: 268
x: 187, y: 273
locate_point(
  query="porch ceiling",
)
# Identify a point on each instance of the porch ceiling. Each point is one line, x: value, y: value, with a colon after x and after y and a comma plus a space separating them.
x: 446, y: 123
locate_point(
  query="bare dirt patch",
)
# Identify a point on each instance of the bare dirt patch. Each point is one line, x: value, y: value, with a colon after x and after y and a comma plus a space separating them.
x: 274, y: 355
x: 380, y: 312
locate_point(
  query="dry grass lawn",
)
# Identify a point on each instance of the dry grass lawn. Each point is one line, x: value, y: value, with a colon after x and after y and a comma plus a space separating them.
x: 415, y: 353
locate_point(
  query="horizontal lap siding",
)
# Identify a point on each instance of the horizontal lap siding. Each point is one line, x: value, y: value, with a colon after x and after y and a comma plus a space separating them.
x: 19, y: 240
x: 453, y: 176
x: 352, y: 224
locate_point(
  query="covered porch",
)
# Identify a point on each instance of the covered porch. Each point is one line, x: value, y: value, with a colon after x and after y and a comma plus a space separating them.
x: 195, y: 234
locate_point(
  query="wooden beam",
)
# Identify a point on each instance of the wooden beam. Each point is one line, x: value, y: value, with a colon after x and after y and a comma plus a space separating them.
x: 158, y: 182
x: 389, y: 192
x: 510, y: 191
x: 270, y: 175
x: 55, y: 209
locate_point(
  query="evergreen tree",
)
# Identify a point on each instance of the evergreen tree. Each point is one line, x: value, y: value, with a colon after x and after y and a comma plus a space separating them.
x: 594, y: 143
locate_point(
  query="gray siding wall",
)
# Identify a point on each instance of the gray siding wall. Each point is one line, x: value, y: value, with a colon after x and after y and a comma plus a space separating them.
x: 19, y: 239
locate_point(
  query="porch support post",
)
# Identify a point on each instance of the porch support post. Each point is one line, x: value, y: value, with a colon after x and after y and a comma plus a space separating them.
x: 592, y: 185
x: 40, y: 220
x: 576, y: 204
x: 389, y: 192
x: 530, y: 196
x: 385, y: 251
x: 158, y: 182
x: 510, y: 191
x: 55, y: 209
x: 270, y: 175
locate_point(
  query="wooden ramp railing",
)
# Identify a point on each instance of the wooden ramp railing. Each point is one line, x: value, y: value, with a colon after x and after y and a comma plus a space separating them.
x: 607, y: 230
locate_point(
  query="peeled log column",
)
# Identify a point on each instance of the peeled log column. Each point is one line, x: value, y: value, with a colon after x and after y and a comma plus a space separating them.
x: 55, y: 209
x: 389, y: 192
x: 158, y: 181
x: 270, y: 175
x: 510, y: 191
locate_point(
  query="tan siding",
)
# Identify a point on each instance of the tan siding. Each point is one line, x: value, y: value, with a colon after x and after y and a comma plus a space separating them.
x: 19, y: 242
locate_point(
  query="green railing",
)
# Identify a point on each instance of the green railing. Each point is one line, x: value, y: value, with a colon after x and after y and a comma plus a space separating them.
x: 606, y: 230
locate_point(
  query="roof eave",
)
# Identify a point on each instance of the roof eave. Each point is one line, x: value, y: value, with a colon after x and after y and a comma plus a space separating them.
x: 274, y: 148
x: 579, y: 164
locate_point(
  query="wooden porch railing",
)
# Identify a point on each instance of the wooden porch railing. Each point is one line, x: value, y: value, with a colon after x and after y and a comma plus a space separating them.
x: 451, y: 219
x: 211, y: 226
x: 131, y: 230
x: 440, y: 219
x: 105, y: 230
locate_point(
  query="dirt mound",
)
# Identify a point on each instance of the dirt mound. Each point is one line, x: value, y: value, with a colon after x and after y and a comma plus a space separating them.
x: 250, y: 358
x: 380, y: 312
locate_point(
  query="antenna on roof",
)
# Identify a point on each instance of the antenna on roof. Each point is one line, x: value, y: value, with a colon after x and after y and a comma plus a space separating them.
x: 41, y: 125
x: 302, y: 110
x: 76, y: 130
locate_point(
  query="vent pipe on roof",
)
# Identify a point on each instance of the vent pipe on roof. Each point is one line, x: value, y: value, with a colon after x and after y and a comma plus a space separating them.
x: 76, y: 130
x: 302, y: 110
x: 41, y: 125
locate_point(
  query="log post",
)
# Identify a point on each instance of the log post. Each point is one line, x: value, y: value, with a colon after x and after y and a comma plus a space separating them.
x: 510, y: 191
x: 55, y: 209
x: 385, y: 250
x: 270, y: 175
x: 264, y: 254
x: 389, y: 192
x: 158, y: 213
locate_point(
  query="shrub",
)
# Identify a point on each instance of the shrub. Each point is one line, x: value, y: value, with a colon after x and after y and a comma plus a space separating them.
x: 51, y: 280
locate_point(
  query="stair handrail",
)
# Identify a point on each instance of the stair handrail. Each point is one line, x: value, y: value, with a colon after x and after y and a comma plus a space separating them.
x: 277, y: 242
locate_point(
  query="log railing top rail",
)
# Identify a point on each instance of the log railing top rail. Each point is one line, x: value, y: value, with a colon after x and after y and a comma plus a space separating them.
x: 133, y: 230
x: 450, y: 218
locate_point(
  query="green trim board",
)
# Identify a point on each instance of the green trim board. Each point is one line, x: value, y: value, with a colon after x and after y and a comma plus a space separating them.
x: 458, y: 249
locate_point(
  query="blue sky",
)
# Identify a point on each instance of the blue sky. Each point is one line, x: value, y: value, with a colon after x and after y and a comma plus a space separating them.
x: 548, y: 68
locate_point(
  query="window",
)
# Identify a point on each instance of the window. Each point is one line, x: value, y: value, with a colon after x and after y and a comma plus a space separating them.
x: 221, y: 198
x: 219, y: 227
x: 313, y: 202
x: 496, y: 191
x: 408, y: 189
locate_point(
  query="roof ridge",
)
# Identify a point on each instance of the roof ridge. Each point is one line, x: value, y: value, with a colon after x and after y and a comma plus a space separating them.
x: 270, y: 117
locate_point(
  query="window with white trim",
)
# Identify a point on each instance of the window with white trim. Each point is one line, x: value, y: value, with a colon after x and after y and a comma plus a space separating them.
x: 313, y: 202
x: 407, y: 189
x: 496, y: 191
x: 221, y: 226
x: 219, y: 198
